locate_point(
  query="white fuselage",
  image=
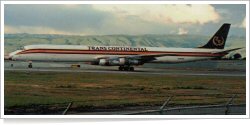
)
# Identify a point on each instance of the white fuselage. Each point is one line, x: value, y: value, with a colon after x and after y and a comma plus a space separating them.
x: 78, y: 53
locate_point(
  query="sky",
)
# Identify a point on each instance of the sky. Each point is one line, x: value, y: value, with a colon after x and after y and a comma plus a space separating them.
x: 100, y: 19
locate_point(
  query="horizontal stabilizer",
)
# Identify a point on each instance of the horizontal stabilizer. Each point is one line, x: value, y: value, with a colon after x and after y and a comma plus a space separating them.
x: 229, y: 50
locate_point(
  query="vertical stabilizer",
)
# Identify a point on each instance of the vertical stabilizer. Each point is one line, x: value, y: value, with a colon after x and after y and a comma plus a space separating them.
x: 219, y: 39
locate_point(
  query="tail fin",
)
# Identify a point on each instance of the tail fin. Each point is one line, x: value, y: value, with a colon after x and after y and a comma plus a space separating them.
x: 219, y: 39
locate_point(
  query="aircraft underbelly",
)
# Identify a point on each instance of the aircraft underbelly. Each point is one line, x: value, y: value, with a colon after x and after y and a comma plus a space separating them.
x: 91, y: 57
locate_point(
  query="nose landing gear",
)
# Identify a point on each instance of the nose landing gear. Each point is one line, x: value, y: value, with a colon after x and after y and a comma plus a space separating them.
x: 30, y: 65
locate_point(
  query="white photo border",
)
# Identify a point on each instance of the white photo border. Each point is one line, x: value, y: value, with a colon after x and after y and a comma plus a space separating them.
x: 3, y: 3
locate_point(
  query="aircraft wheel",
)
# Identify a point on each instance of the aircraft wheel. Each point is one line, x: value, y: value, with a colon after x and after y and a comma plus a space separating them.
x: 121, y: 68
x: 30, y: 65
x: 126, y: 68
x: 131, y: 68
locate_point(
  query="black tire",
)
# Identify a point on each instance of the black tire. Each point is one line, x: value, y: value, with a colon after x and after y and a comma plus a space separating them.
x: 126, y: 68
x: 121, y: 68
x: 30, y: 65
x: 131, y: 68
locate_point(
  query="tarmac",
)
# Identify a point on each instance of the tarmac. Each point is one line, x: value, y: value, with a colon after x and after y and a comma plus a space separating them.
x: 227, y: 70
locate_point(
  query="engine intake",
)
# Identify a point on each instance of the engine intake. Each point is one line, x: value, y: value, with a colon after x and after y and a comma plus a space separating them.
x: 123, y: 61
x: 103, y: 62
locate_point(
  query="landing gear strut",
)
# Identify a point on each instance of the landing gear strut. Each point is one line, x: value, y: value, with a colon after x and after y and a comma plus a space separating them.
x: 126, y: 68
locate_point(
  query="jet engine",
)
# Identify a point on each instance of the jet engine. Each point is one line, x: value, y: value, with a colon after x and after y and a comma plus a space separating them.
x: 119, y: 62
x: 126, y: 61
x: 104, y: 62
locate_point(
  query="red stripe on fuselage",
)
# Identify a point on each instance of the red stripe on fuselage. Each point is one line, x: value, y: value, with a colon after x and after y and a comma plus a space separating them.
x: 109, y: 52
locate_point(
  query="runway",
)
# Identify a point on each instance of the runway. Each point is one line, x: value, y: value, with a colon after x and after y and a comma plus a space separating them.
x: 139, y: 71
x: 209, y: 68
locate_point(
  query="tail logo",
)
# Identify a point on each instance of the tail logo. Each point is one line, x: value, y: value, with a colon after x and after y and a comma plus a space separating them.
x: 218, y: 41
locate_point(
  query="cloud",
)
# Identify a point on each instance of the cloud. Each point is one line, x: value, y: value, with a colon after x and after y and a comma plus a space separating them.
x: 33, y: 30
x: 182, y: 31
x: 74, y: 18
x: 166, y: 14
x: 243, y: 24
x: 134, y: 19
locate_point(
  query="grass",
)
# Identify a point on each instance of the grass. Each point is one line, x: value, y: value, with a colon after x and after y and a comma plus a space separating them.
x: 23, y: 89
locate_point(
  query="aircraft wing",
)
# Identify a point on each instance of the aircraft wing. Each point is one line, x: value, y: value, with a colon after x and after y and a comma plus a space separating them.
x: 144, y: 58
x: 152, y: 56
x: 149, y: 57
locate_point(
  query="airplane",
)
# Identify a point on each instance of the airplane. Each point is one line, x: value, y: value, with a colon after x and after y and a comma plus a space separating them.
x: 125, y: 57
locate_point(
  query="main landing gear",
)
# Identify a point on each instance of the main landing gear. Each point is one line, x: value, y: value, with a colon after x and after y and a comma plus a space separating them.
x: 126, y: 68
x: 30, y: 65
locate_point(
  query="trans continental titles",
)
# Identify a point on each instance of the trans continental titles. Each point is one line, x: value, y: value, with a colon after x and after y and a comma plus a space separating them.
x: 110, y: 48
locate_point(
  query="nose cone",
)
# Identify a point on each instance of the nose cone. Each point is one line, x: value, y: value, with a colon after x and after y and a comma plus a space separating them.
x: 11, y: 55
x: 7, y: 57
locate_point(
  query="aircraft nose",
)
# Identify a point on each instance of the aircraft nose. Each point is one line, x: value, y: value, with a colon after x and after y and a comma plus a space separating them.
x: 7, y: 57
x: 12, y: 55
